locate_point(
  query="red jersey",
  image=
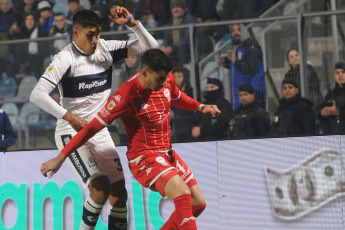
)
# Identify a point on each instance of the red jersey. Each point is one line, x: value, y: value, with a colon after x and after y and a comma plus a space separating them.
x: 145, y: 114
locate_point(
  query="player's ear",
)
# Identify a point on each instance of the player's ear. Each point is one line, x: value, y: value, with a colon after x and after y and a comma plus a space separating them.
x: 144, y: 72
x: 75, y: 31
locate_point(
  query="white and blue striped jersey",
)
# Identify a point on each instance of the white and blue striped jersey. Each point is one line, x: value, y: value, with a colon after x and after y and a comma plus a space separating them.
x: 84, y: 81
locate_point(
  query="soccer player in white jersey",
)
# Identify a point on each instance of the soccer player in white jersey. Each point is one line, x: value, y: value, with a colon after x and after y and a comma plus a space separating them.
x: 82, y: 72
x: 143, y: 104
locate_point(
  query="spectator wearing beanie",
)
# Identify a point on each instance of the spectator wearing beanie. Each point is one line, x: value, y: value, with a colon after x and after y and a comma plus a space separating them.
x: 45, y: 15
x: 250, y: 119
x: 295, y: 115
x: 208, y: 127
x: 331, y: 112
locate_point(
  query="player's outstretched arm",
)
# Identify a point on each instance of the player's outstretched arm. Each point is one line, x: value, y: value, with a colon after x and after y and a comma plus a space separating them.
x: 212, y: 109
x: 53, y: 165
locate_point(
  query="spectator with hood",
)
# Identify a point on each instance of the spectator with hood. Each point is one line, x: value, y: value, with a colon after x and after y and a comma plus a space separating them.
x: 208, y: 127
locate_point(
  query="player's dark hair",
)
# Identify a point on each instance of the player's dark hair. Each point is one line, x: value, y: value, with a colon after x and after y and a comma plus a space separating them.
x: 86, y: 18
x: 156, y: 60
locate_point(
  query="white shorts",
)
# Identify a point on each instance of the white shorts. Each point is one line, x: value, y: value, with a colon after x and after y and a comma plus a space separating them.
x: 98, y: 156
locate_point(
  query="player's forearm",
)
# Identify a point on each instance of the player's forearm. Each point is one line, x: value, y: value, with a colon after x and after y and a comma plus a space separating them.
x: 186, y: 103
x: 144, y: 41
x: 82, y: 137
x: 40, y: 97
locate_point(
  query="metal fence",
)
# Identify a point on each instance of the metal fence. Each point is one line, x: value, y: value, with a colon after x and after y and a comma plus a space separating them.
x: 319, y: 37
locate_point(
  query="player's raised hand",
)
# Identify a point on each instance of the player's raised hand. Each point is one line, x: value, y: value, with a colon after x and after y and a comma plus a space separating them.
x: 52, y: 166
x: 212, y: 109
x: 121, y: 16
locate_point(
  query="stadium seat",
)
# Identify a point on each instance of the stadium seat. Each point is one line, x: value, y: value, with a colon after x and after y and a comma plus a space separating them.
x: 12, y: 111
x: 25, y: 87
x: 8, y: 87
x: 29, y: 118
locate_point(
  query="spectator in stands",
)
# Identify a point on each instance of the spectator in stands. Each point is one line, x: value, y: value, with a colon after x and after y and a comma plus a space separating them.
x: 6, y: 62
x: 74, y: 7
x: 245, y: 61
x: 29, y: 56
x: 148, y: 19
x: 9, y: 19
x: 332, y: 110
x: 249, y: 120
x: 45, y: 15
x: 295, y: 115
x: 61, y: 27
x: 208, y: 127
x: 250, y: 8
x: 176, y: 42
x: 161, y: 11
x: 7, y: 135
x: 128, y: 69
x: 104, y: 18
x: 312, y: 78
x: 27, y: 6
x: 181, y: 119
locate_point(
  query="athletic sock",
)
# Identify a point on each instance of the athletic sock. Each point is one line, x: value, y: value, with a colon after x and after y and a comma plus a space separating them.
x: 90, y: 216
x: 117, y: 218
x: 170, y: 224
x: 183, y: 212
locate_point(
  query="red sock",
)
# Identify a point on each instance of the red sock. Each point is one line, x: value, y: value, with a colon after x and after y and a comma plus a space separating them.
x: 183, y: 212
x: 170, y: 224
x: 198, y: 209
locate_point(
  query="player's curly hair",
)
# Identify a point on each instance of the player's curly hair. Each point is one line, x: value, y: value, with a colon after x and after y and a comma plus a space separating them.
x: 86, y: 18
x: 156, y: 60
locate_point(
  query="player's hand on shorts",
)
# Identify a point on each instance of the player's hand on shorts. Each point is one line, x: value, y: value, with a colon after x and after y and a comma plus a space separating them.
x: 212, y: 109
x: 119, y: 14
x: 52, y: 166
x: 78, y: 123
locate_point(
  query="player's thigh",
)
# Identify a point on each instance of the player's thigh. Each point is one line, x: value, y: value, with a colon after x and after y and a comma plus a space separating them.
x: 176, y: 187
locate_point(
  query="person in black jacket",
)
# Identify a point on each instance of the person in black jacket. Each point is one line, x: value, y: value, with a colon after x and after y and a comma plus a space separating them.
x: 295, y: 115
x: 312, y: 78
x: 250, y: 119
x: 332, y: 111
x: 7, y: 136
x: 208, y: 127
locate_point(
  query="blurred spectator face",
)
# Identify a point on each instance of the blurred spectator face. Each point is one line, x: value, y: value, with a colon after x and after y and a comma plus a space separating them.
x: 177, y: 12
x: 339, y: 75
x: 236, y: 34
x: 246, y: 98
x: 29, y: 22
x: 293, y: 58
x: 130, y: 61
x: 73, y: 6
x: 5, y: 6
x: 289, y: 91
x: 179, y: 78
x: 46, y: 13
x: 60, y: 21
x: 98, y: 12
x: 211, y: 87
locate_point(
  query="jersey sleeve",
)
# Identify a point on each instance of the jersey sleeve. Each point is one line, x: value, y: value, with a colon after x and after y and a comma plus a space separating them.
x: 82, y: 136
x: 180, y: 99
x: 116, y: 106
x: 58, y: 68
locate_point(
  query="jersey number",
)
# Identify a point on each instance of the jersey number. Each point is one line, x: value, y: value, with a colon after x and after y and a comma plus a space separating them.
x: 118, y: 162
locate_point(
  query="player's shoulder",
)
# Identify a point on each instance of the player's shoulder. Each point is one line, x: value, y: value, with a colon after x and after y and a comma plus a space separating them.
x: 129, y: 87
x: 65, y: 55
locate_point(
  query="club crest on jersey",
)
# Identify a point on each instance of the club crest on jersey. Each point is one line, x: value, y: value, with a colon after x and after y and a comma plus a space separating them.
x: 111, y: 105
x: 50, y: 68
x: 167, y: 94
x: 101, y: 58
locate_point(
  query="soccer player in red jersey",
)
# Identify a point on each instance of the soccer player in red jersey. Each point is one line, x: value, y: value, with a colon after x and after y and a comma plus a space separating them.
x: 143, y: 103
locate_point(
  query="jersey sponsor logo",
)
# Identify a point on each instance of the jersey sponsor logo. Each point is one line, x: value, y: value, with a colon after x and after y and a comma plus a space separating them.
x: 167, y: 94
x: 78, y: 165
x: 94, y: 84
x: 50, y: 68
x: 161, y: 160
x: 111, y: 105
x: 77, y: 65
x: 185, y: 220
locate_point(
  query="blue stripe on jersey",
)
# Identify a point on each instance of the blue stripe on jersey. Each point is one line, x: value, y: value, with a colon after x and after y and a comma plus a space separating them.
x: 76, y: 160
x: 119, y: 54
x: 86, y: 85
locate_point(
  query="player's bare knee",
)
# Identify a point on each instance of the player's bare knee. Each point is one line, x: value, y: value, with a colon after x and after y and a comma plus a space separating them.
x: 100, y: 186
